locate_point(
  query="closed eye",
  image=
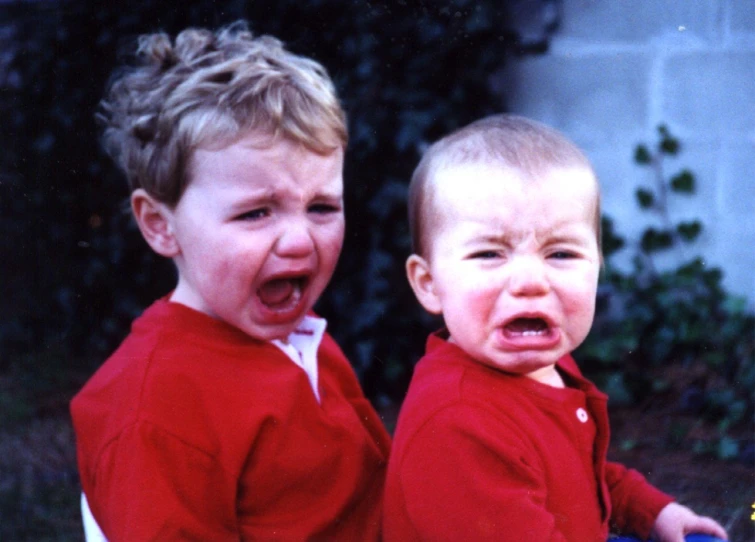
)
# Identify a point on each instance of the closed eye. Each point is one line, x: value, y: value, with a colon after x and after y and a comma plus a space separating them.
x: 324, y: 208
x: 484, y: 255
x: 563, y: 255
x: 254, y: 214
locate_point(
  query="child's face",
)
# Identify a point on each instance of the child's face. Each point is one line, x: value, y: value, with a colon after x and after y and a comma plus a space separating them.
x: 512, y: 264
x: 259, y: 232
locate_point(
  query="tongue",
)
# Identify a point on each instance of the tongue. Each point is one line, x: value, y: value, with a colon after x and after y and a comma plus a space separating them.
x: 521, y: 325
x: 276, y: 291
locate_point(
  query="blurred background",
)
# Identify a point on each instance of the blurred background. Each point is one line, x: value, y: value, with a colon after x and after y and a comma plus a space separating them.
x: 658, y: 93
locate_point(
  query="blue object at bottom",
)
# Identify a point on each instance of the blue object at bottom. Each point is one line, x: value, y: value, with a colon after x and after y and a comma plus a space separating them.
x: 688, y: 538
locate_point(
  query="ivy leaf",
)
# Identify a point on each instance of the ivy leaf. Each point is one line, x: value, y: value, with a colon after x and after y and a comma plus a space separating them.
x: 645, y: 198
x: 689, y: 231
x: 611, y: 242
x: 655, y: 240
x: 642, y: 155
x: 669, y: 144
x: 683, y: 182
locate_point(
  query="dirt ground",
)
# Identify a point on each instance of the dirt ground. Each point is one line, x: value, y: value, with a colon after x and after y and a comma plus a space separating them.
x: 724, y: 490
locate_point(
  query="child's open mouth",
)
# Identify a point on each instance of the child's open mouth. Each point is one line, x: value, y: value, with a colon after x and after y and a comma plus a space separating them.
x: 282, y: 294
x: 531, y: 332
x: 527, y: 327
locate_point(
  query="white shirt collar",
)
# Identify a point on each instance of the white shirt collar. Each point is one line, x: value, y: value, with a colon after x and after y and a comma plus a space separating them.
x: 302, y: 345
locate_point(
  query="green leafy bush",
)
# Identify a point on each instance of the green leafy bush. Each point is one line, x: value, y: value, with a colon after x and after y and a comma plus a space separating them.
x: 649, y: 320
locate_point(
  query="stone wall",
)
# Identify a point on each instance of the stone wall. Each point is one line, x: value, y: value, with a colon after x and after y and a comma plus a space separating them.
x: 616, y: 70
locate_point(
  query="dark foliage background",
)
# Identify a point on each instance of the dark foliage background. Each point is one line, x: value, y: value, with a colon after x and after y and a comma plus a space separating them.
x: 76, y: 271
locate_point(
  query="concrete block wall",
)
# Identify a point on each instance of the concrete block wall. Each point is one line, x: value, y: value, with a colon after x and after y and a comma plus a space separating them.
x: 616, y: 70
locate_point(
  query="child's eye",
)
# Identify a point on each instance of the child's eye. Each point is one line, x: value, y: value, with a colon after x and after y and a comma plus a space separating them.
x: 484, y: 255
x: 254, y: 214
x: 324, y: 208
x: 563, y: 255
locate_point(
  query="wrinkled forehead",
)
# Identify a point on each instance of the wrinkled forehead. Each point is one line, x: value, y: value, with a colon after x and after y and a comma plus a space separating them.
x: 462, y: 186
x: 497, y: 176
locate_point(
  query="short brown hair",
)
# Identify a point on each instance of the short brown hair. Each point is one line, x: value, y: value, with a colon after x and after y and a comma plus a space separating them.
x: 209, y: 88
x: 509, y: 140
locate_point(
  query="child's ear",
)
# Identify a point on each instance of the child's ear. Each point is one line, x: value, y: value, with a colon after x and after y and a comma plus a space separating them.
x: 154, y: 219
x: 421, y: 281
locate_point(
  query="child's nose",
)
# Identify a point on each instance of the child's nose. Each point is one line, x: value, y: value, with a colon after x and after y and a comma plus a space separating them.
x: 527, y: 276
x: 295, y: 240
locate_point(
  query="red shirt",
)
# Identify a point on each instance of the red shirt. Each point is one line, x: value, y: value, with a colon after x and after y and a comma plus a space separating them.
x: 480, y: 454
x: 194, y: 430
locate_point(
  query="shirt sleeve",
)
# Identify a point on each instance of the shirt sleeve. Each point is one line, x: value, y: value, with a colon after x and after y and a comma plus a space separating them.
x: 462, y: 481
x: 635, y: 503
x: 153, y: 486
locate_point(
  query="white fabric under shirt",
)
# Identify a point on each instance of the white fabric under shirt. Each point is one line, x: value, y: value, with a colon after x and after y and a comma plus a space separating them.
x: 301, y: 348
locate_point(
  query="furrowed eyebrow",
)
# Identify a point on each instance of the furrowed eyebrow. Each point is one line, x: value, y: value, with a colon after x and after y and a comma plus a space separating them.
x: 566, y: 230
x: 496, y: 239
x: 486, y: 239
x: 256, y: 198
x: 336, y: 193
x: 569, y: 239
x: 330, y: 197
x: 554, y: 235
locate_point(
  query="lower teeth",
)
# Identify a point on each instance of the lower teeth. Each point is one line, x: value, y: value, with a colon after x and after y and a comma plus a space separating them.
x: 280, y: 295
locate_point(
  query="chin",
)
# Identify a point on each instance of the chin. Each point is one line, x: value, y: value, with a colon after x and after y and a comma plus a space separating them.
x: 267, y: 332
x: 524, y: 366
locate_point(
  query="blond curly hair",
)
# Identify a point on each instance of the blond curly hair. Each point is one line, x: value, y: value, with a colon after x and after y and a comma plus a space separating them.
x: 208, y: 89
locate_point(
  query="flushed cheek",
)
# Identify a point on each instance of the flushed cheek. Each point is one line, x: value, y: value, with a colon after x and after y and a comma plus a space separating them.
x: 329, y: 250
x: 579, y: 301
x: 482, y: 291
x: 576, y: 290
x: 334, y: 237
x: 232, y: 268
x: 579, y: 314
x: 474, y: 303
x: 224, y: 273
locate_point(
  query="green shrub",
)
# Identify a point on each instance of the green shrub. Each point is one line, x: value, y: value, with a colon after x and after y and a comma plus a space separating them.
x: 649, y: 319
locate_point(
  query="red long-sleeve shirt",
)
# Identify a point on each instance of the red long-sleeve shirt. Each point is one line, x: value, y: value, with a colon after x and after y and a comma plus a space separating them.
x: 483, y: 455
x: 193, y: 430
